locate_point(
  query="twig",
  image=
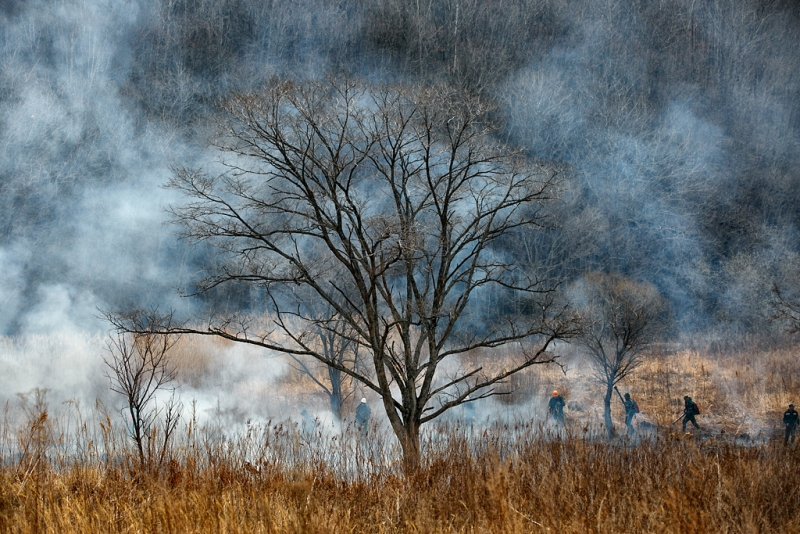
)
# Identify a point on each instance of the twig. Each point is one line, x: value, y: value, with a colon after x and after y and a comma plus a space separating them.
x: 526, y: 517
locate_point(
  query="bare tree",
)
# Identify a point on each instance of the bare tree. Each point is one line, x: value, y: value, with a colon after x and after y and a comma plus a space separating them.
x: 622, y: 319
x: 384, y: 202
x: 339, y: 386
x: 785, y: 309
x: 334, y: 337
x: 138, y: 367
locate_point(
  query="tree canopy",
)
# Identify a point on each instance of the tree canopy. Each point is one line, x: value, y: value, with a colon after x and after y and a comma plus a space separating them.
x: 384, y: 202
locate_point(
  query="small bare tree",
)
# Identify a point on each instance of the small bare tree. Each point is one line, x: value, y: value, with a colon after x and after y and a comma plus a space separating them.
x: 138, y: 367
x: 339, y: 387
x: 335, y: 339
x: 622, y: 318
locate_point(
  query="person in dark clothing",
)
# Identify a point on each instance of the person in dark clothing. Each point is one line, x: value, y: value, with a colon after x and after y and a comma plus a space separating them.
x: 790, y: 422
x: 631, y: 409
x: 362, y: 416
x: 690, y: 409
x: 556, y: 408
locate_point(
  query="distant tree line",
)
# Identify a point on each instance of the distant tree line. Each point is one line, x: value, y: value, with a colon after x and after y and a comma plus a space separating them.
x: 680, y: 121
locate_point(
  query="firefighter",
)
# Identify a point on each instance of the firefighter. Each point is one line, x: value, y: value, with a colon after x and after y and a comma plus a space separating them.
x: 556, y: 407
x: 631, y: 409
x: 790, y: 422
x: 690, y: 409
x: 362, y: 416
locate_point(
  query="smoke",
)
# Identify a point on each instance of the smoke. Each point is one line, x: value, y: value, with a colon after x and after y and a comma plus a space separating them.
x: 238, y: 386
x: 82, y: 210
x: 664, y: 165
x: 68, y: 364
x: 681, y: 124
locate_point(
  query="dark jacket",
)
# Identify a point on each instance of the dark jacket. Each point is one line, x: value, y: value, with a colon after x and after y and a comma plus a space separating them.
x: 362, y: 414
x: 790, y: 417
x: 556, y: 406
x: 631, y: 407
x: 690, y: 407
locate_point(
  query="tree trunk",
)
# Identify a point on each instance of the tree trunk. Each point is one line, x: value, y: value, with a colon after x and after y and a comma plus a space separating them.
x: 335, y: 398
x: 409, y: 442
x: 607, y: 409
x: 336, y: 406
x: 136, y: 427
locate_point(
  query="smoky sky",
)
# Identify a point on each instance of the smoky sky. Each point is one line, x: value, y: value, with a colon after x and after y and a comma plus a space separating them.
x: 678, y: 122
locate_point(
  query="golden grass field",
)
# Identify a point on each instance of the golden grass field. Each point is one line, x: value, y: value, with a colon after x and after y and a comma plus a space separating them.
x: 504, y: 476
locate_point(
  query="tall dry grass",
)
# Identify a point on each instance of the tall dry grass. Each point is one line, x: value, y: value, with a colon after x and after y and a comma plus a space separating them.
x: 508, y: 479
x: 70, y: 468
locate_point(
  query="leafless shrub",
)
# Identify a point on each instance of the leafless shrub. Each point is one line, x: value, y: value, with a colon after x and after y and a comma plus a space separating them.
x: 138, y: 368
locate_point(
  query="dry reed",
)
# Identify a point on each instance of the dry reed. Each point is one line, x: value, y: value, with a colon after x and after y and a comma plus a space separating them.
x: 75, y: 472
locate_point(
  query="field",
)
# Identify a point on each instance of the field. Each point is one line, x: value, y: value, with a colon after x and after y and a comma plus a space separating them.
x: 71, y: 469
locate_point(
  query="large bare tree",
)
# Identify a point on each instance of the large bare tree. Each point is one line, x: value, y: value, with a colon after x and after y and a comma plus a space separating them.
x: 622, y: 319
x: 384, y: 202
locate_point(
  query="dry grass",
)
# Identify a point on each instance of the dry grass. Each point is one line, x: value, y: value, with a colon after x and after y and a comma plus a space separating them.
x: 558, y: 485
x: 519, y: 477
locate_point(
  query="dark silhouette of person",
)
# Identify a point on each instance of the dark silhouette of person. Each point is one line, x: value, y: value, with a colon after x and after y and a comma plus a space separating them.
x: 556, y: 407
x: 790, y: 422
x: 631, y: 409
x: 362, y: 416
x: 690, y: 409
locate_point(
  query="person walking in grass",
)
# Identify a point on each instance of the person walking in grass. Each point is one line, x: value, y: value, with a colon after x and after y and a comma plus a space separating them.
x: 556, y: 408
x: 690, y: 409
x: 631, y: 409
x: 362, y: 416
x: 790, y: 422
